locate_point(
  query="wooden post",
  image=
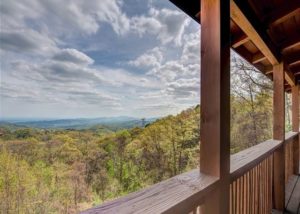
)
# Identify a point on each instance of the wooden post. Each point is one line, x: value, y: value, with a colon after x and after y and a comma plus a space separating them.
x: 279, y: 134
x: 215, y: 101
x: 295, y: 126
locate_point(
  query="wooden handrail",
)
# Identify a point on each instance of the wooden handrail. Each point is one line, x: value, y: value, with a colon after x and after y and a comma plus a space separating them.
x: 184, y: 192
x: 245, y: 160
x: 178, y: 194
x: 290, y: 135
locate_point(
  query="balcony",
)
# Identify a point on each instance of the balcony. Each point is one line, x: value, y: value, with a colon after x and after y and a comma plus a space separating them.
x: 260, y: 179
x: 250, y: 186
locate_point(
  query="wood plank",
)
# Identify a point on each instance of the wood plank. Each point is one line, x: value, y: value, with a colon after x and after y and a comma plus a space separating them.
x: 292, y: 57
x: 175, y: 195
x: 251, y: 29
x: 215, y: 100
x: 291, y: 42
x: 293, y: 195
x: 256, y: 58
x: 282, y: 13
x: 294, y: 64
x: 279, y: 134
x: 244, y: 53
x: 290, y: 135
x: 238, y: 41
x: 247, y: 159
x: 295, y: 127
x: 270, y: 184
x: 289, y: 77
x: 295, y: 108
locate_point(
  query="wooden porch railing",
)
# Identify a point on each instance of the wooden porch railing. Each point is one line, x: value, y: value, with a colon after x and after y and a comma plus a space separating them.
x: 251, y: 174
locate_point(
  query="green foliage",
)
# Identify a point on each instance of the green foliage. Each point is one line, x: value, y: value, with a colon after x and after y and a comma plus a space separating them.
x: 64, y: 171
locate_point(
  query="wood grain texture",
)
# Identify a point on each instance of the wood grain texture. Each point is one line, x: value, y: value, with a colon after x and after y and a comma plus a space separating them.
x: 179, y: 194
x: 278, y: 103
x: 215, y: 101
x: 295, y: 127
x: 290, y: 77
x: 289, y: 136
x: 288, y: 160
x: 252, y: 192
x: 249, y: 158
x: 240, y: 19
x: 293, y: 195
x: 240, y: 40
x: 279, y: 134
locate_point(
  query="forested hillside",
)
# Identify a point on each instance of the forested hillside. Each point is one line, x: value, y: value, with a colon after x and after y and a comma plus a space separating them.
x: 63, y: 171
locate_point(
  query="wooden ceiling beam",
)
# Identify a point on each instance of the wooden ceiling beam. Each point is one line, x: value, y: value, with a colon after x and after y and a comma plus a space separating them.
x: 269, y: 72
x: 245, y: 18
x: 295, y: 68
x: 295, y: 64
x: 198, y: 16
x: 282, y: 13
x: 243, y: 52
x: 292, y: 58
x: 258, y: 58
x: 240, y: 40
x: 289, y: 77
x: 290, y: 43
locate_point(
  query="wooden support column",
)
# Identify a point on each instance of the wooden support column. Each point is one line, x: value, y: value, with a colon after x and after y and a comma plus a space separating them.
x: 279, y: 134
x: 295, y: 126
x: 215, y: 101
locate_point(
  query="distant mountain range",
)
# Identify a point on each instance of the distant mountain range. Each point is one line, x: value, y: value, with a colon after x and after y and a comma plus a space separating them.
x: 113, y: 123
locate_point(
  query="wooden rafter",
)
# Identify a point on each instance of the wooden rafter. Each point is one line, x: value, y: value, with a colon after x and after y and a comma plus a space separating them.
x: 249, y: 57
x: 283, y: 13
x: 292, y: 58
x: 258, y: 58
x: 240, y: 40
x: 295, y: 69
x: 198, y: 16
x: 289, y: 77
x: 251, y: 27
x: 291, y: 42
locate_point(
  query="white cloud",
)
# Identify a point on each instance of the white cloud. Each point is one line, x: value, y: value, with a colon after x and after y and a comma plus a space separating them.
x: 180, y: 77
x: 191, y: 48
x: 26, y: 41
x: 74, y: 56
x: 167, y: 25
x: 151, y: 58
x: 184, y: 88
x: 65, y: 17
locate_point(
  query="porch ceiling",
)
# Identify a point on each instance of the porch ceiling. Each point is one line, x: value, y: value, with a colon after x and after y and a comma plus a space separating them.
x: 264, y: 32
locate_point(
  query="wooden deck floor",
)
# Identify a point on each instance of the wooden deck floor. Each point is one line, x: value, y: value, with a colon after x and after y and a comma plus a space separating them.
x: 292, y: 199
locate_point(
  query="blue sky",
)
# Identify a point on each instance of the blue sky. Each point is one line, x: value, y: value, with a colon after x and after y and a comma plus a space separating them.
x: 77, y: 58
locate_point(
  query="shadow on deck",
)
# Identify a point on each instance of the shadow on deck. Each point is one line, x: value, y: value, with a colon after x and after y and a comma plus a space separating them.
x: 292, y: 199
